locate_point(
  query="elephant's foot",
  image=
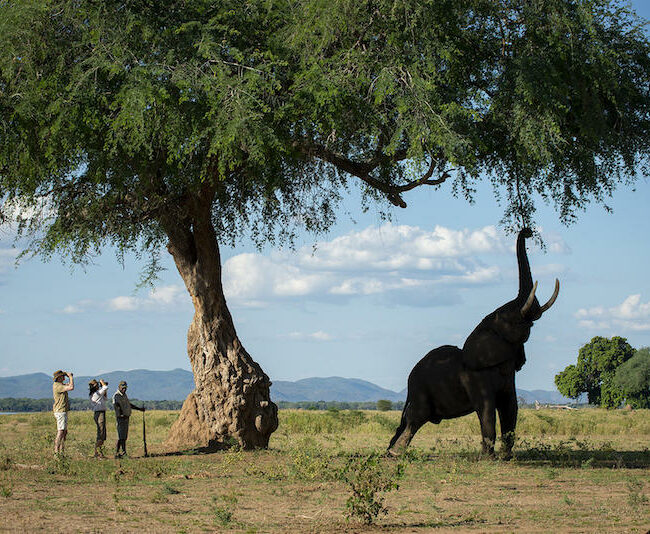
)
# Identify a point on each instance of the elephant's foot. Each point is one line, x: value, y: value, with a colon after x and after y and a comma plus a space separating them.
x: 488, y: 448
x: 488, y: 455
x: 392, y: 453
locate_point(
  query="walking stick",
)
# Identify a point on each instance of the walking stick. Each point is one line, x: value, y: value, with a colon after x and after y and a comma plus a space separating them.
x: 144, y: 435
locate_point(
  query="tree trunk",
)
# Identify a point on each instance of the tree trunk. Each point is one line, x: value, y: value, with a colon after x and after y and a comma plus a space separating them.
x: 231, y: 396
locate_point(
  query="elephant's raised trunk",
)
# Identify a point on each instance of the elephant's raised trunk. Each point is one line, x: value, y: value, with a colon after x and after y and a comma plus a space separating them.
x: 525, y: 278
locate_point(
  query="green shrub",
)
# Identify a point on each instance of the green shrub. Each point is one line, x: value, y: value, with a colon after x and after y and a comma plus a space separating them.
x: 222, y: 508
x: 369, y: 477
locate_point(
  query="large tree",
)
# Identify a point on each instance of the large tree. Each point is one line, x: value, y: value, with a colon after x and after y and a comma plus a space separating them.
x: 595, y: 370
x: 137, y: 124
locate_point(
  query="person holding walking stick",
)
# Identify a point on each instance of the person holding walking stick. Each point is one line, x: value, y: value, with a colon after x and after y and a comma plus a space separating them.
x: 123, y: 409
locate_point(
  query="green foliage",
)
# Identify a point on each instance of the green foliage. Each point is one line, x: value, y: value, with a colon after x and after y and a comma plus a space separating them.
x: 594, y: 372
x: 223, y: 508
x: 633, y: 379
x: 117, y: 119
x: 369, y: 477
x: 6, y: 490
x: 310, y: 462
x: 384, y: 405
x: 323, y: 422
x: 636, y: 497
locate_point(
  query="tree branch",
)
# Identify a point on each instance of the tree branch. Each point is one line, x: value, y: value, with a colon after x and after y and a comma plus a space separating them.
x: 363, y: 169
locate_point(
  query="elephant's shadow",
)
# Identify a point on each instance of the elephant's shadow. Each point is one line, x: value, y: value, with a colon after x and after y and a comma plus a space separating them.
x: 557, y: 456
x: 584, y: 457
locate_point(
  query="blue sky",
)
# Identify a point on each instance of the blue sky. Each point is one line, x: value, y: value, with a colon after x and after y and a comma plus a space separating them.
x: 371, y: 300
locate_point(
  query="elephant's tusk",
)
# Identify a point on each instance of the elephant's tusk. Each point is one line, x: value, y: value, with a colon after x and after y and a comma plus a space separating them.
x: 529, y: 302
x: 553, y: 296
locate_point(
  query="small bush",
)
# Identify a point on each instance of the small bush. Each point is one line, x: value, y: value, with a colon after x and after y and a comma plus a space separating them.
x: 368, y: 478
x: 222, y: 508
x: 6, y: 491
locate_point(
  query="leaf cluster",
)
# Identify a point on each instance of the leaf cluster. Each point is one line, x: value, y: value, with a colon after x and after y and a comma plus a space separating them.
x: 633, y: 378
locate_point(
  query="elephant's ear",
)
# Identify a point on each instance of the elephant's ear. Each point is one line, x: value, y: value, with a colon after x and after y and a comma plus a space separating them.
x: 484, y: 348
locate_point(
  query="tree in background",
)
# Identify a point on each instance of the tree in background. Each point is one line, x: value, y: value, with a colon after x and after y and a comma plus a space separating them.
x: 594, y: 372
x: 384, y: 405
x: 633, y: 379
x: 188, y: 125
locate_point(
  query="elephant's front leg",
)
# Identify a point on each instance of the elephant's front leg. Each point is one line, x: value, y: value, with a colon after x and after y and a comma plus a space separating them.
x: 487, y: 418
x: 508, y: 409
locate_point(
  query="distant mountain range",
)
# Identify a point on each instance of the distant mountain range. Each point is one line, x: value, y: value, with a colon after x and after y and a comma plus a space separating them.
x: 177, y: 384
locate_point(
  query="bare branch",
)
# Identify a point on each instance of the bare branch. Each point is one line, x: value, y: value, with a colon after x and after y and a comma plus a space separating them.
x: 363, y: 169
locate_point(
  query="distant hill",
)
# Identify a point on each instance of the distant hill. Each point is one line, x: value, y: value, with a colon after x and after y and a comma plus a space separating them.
x: 333, y: 388
x: 177, y: 384
x: 143, y: 384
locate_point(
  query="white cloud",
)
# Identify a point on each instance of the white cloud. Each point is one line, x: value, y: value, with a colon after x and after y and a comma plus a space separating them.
x: 8, y: 258
x: 79, y: 307
x: 399, y: 264
x: 168, y: 295
x: 123, y: 304
x: 630, y: 315
x: 162, y: 298
x: 402, y: 264
x: 314, y: 336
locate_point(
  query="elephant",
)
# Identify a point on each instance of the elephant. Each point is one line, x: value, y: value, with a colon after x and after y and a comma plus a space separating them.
x: 450, y: 382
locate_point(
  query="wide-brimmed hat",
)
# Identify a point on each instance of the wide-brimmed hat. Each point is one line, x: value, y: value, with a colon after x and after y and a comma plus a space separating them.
x: 58, y: 374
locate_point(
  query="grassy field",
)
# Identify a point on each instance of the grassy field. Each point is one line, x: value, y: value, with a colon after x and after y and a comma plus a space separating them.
x: 578, y: 471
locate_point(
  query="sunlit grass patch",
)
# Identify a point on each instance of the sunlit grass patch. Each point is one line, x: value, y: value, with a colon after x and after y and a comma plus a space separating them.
x: 298, y: 484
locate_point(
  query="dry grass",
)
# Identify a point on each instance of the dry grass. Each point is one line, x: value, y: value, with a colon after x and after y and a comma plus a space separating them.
x: 582, y: 471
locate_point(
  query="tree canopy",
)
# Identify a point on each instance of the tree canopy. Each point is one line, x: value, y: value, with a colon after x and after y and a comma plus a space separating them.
x: 116, y: 112
x: 595, y: 370
x: 633, y: 379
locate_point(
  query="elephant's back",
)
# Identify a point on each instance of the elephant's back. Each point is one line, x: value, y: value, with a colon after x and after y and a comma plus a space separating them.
x: 439, y: 358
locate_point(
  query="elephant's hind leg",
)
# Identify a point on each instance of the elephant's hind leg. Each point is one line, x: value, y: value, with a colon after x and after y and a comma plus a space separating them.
x: 412, y: 419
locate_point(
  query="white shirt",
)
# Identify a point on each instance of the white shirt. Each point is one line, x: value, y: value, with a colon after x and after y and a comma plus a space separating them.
x: 98, y: 399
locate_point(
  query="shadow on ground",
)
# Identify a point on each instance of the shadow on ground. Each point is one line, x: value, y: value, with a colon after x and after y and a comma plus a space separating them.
x: 219, y: 447
x: 555, y: 456
x: 560, y: 457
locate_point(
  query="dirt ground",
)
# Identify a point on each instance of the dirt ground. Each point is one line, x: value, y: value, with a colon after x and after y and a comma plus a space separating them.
x: 557, y: 482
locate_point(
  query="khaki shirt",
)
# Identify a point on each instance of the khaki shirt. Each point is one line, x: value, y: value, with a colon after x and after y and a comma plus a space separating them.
x: 61, y: 402
x: 122, y: 404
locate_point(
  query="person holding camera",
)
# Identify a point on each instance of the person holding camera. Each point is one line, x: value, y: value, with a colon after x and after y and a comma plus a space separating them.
x: 61, y: 407
x: 97, y: 393
x: 123, y: 408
